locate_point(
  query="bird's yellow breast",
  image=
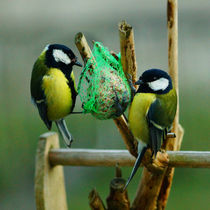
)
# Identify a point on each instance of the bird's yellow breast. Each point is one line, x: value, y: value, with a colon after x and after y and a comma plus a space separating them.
x: 58, y: 94
x: 137, y: 115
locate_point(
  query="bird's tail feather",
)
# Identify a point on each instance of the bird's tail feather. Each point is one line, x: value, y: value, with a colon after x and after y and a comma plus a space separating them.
x: 136, y: 165
x: 61, y: 125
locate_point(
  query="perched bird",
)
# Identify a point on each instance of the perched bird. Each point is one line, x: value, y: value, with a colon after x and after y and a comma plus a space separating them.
x: 53, y: 88
x: 152, y: 112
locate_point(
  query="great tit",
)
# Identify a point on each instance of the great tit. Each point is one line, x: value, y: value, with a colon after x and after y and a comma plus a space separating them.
x: 152, y: 112
x: 53, y: 88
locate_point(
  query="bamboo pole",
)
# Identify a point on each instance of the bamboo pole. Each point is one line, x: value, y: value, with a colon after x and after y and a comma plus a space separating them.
x: 94, y: 157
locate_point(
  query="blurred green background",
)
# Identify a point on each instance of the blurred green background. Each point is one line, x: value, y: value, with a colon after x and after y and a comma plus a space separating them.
x: 26, y: 27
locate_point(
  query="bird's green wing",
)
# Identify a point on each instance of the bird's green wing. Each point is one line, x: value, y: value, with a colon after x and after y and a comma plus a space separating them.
x: 156, y: 129
x: 42, y: 107
x: 37, y: 93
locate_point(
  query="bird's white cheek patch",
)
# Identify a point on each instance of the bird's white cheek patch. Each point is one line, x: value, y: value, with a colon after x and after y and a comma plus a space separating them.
x: 60, y: 56
x: 160, y: 84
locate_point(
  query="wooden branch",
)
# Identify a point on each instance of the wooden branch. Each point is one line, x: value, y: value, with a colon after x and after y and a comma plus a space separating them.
x: 127, y: 49
x: 172, y: 13
x: 95, y: 201
x: 130, y: 143
x: 180, y: 135
x: 147, y: 190
x: 118, y: 198
x: 49, y: 181
x: 83, y: 46
x: 94, y: 157
x: 156, y: 165
x: 128, y: 59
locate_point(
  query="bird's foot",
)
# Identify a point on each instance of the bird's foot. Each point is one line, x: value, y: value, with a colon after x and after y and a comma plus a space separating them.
x: 133, y: 89
x: 117, y: 105
x: 171, y: 135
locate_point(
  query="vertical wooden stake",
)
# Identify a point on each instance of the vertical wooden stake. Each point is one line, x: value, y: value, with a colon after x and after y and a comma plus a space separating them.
x: 172, y: 15
x: 127, y: 49
x: 83, y: 46
x: 49, y: 180
x: 171, y: 144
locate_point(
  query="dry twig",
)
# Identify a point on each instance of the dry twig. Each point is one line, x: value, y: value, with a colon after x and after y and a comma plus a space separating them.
x: 118, y: 198
x: 95, y: 201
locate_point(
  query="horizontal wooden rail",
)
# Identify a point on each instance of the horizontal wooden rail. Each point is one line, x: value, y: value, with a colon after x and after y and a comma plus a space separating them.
x: 93, y: 157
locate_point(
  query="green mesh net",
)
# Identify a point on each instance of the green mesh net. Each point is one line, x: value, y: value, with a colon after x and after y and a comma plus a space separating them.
x: 103, y: 87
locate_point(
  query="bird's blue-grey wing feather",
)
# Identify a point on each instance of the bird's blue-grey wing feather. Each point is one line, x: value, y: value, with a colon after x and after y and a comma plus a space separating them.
x: 42, y: 107
x: 156, y: 131
x: 38, y: 98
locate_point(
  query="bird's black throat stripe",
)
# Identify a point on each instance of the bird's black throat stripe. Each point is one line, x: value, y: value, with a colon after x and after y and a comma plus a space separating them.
x: 73, y: 92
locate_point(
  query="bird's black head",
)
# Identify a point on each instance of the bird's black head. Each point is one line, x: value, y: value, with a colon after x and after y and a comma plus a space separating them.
x: 154, y: 81
x: 61, y: 57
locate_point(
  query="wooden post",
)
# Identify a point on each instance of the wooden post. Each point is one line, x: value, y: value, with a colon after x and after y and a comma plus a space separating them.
x: 49, y: 180
x: 172, y: 144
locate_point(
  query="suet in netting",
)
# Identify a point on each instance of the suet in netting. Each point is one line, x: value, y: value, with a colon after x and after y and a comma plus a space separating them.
x: 103, y: 87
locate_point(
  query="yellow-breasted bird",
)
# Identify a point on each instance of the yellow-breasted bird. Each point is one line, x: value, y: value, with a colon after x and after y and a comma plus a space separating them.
x: 53, y: 88
x: 152, y: 112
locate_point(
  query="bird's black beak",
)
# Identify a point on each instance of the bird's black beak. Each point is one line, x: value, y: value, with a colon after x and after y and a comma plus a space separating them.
x: 139, y: 82
x: 77, y: 63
